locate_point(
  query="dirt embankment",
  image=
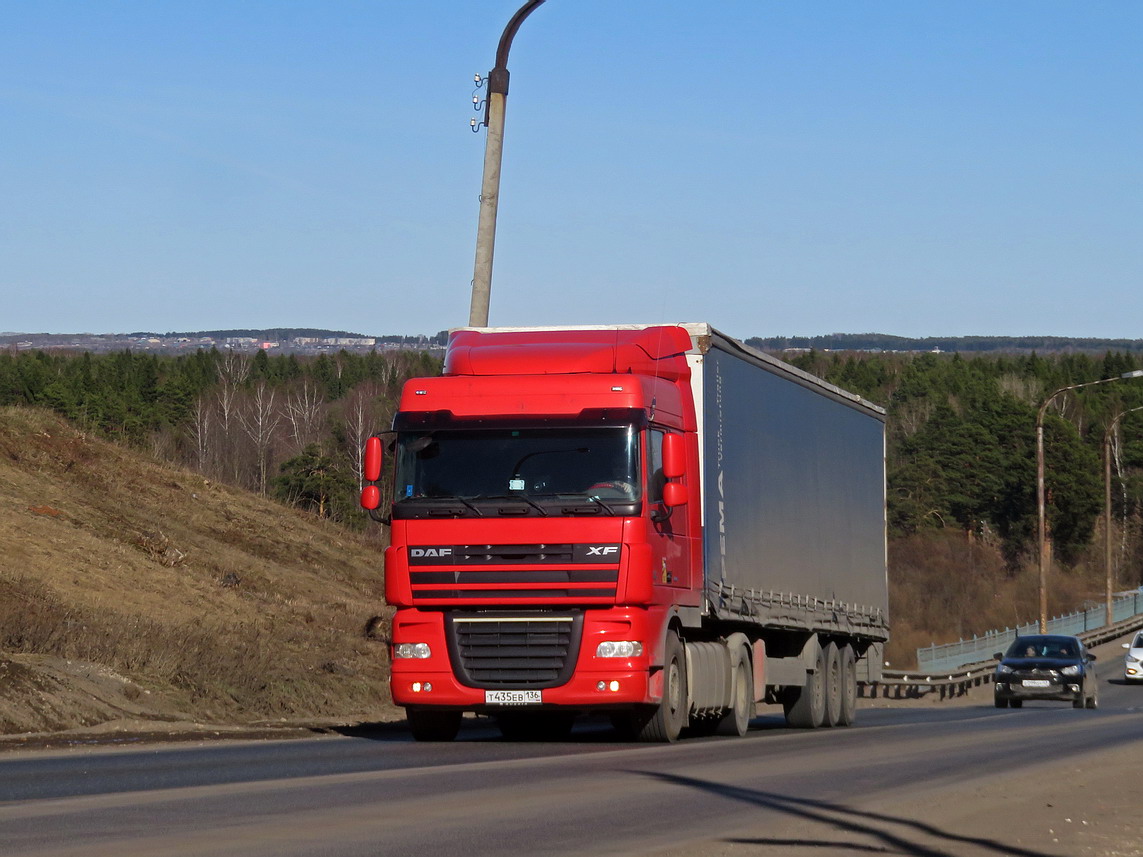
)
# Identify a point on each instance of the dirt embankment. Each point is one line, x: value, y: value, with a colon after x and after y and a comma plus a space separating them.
x: 131, y: 591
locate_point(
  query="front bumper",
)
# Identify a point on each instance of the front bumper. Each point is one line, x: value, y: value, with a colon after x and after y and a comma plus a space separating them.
x: 594, y: 683
x: 1070, y: 689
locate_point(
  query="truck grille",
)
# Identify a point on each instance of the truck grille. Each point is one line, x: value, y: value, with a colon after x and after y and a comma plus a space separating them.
x: 444, y: 574
x: 535, y: 650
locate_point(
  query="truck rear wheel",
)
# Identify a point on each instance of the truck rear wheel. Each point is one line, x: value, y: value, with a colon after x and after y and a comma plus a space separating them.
x: 671, y: 715
x: 834, y: 685
x: 430, y: 725
x: 805, y: 706
x: 736, y: 721
x: 848, y: 685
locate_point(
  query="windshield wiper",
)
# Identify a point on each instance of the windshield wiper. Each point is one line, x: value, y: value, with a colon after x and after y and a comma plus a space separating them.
x: 515, y: 498
x: 591, y: 498
x: 441, y: 505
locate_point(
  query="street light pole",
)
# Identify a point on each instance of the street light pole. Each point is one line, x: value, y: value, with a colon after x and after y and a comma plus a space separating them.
x: 490, y: 185
x: 1041, y: 514
x: 1107, y: 504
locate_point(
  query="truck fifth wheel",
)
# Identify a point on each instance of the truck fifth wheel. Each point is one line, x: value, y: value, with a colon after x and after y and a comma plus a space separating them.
x: 654, y: 522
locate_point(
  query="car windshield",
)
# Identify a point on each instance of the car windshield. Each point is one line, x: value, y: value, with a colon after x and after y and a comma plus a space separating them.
x: 1138, y: 644
x: 476, y: 464
x: 1042, y: 647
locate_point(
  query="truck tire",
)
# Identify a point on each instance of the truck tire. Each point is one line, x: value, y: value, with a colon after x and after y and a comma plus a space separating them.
x: 805, y: 706
x: 670, y: 716
x: 430, y: 725
x: 834, y: 685
x: 849, y: 685
x: 737, y: 719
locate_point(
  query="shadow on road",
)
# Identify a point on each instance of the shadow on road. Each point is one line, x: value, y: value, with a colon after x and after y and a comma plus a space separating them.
x: 873, y: 832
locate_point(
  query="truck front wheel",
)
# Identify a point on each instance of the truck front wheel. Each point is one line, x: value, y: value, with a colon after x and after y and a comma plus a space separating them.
x: 670, y: 717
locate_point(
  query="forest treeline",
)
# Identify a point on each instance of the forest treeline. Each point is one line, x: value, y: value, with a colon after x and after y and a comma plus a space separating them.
x: 961, y: 429
x: 961, y: 443
x: 289, y: 426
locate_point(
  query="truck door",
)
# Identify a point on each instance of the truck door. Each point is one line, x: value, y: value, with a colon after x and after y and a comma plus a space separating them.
x: 670, y: 538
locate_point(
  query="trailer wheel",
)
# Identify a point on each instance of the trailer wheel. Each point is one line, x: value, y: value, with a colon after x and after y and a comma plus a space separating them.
x: 834, y: 685
x: 805, y: 706
x: 670, y: 717
x: 430, y: 725
x: 848, y: 686
x: 736, y: 721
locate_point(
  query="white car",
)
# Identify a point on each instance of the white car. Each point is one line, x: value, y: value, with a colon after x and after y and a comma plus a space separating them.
x: 1133, y: 660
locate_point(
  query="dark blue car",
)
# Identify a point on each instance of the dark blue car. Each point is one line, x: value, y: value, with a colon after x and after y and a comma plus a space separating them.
x: 1046, y: 666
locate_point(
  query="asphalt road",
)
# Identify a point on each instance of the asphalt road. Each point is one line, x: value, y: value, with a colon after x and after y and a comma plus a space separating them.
x: 378, y: 793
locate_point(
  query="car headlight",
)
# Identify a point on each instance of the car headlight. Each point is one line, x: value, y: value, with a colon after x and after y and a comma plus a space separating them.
x: 412, y: 650
x: 619, y: 649
x: 1072, y: 670
x: 1131, y: 659
x: 1004, y: 669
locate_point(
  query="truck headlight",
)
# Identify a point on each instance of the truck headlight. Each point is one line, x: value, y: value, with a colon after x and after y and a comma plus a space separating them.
x: 619, y: 649
x: 412, y: 650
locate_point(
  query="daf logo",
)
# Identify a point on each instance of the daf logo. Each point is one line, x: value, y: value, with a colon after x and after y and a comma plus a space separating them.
x: 602, y: 550
x: 437, y: 552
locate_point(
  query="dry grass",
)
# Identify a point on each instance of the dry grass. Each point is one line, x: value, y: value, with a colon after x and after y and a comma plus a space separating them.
x: 231, y: 606
x: 944, y: 586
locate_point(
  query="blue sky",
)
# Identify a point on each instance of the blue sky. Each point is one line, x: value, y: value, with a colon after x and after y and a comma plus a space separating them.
x: 774, y: 168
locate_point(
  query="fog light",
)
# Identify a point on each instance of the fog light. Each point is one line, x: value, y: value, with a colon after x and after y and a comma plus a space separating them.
x: 1074, y: 688
x: 421, y: 686
x: 601, y: 686
x: 613, y: 686
x: 412, y: 650
x: 619, y: 649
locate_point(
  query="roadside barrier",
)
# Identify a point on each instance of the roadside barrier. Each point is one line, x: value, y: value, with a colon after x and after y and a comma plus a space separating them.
x: 916, y: 684
x: 952, y: 656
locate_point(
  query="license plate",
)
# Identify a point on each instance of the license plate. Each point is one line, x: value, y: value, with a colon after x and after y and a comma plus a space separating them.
x: 513, y: 697
x: 1036, y: 682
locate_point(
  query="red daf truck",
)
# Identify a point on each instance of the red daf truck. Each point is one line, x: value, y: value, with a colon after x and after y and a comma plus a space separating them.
x: 657, y: 522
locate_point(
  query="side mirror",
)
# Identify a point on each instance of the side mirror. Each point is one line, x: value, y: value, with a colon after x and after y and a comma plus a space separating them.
x: 1127, y: 645
x: 674, y: 456
x: 999, y: 656
x: 674, y: 494
x: 1090, y: 656
x: 373, y: 459
x: 371, y: 471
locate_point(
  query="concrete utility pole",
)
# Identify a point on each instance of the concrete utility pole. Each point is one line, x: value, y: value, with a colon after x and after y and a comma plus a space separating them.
x: 1107, y: 436
x: 1040, y: 492
x: 490, y: 186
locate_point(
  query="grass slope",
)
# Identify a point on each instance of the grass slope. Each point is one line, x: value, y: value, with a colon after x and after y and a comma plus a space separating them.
x: 131, y: 590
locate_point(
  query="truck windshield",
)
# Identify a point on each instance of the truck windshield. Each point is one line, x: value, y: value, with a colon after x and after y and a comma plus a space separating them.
x: 527, y: 464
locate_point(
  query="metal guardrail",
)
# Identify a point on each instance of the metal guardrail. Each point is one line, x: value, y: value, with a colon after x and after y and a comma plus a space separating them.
x: 952, y: 656
x: 904, y: 684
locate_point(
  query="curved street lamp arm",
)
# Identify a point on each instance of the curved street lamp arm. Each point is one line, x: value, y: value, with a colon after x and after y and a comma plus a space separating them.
x: 498, y: 77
